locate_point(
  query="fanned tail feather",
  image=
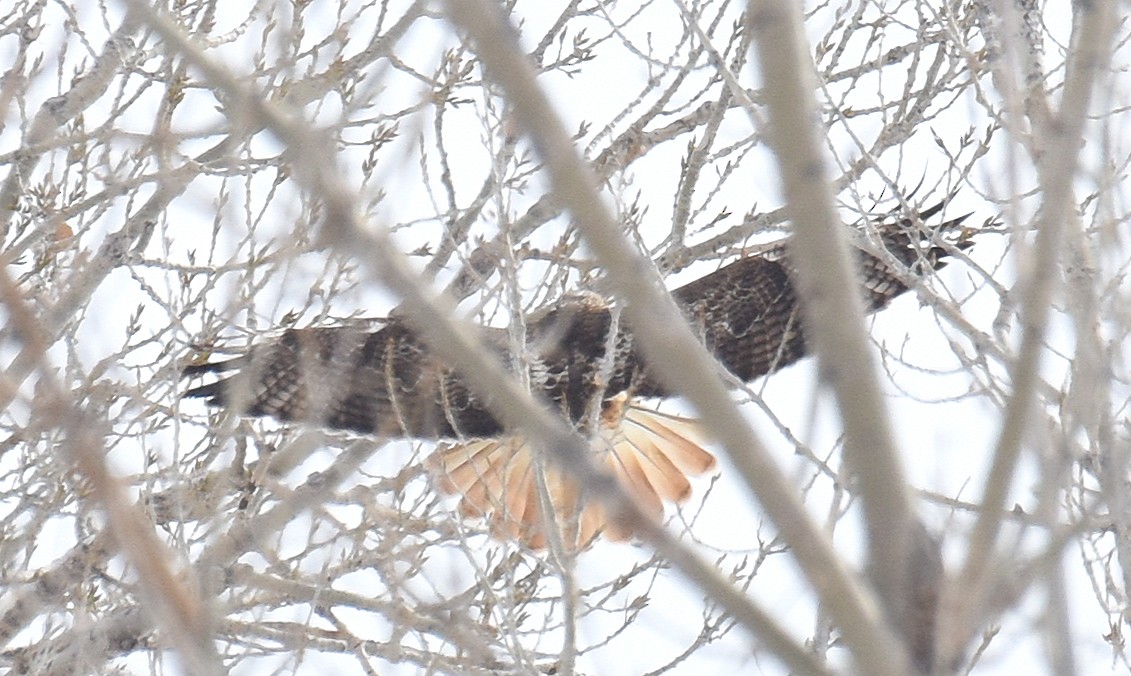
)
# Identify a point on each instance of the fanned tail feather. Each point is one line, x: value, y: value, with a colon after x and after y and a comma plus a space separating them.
x: 652, y: 454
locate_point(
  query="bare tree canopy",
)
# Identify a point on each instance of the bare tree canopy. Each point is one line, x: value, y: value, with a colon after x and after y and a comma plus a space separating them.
x: 941, y: 487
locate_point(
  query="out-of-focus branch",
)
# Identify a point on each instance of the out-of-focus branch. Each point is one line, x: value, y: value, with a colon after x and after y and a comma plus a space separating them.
x: 1093, y: 31
x: 831, y: 304
x: 59, y: 110
x: 667, y: 340
x: 112, y: 634
x: 456, y: 343
x: 23, y: 603
x: 168, y: 596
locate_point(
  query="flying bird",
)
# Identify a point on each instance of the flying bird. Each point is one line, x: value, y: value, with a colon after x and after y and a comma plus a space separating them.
x: 386, y: 382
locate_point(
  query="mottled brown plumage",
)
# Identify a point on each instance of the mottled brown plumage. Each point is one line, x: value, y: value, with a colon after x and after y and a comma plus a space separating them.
x: 386, y: 382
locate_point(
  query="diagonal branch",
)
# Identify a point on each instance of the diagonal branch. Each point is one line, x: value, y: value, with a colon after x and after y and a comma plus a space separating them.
x: 832, y: 307
x: 666, y: 338
x: 456, y: 342
x: 167, y: 596
x: 1093, y: 31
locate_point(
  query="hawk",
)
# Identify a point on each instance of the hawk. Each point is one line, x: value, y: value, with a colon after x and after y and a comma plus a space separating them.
x: 386, y: 382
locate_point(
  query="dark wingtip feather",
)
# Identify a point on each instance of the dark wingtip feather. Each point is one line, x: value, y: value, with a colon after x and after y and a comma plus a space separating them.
x: 213, y: 393
x: 212, y: 367
x: 931, y: 211
x: 934, y: 209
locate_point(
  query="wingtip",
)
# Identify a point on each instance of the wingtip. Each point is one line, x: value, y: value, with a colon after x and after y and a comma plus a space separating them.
x: 202, y: 367
x: 212, y: 393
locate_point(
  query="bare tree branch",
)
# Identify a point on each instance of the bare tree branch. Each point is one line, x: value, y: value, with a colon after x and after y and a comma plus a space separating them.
x: 159, y: 211
x: 1092, y: 35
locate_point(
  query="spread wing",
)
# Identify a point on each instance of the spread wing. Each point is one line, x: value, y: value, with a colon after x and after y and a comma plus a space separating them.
x: 386, y: 382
